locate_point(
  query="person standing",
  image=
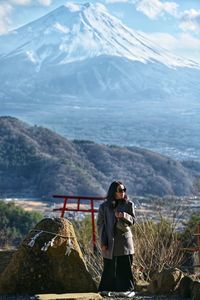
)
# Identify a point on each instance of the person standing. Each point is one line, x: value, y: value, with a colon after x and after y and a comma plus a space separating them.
x: 115, y: 217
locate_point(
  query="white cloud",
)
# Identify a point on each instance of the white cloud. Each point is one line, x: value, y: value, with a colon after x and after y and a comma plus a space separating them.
x: 61, y: 28
x: 190, y: 20
x: 5, y: 12
x: 100, y: 6
x: 20, y: 2
x: 155, y: 8
x: 6, y: 8
x: 83, y: 40
x: 45, y: 2
x: 31, y: 56
x: 117, y: 1
x: 183, y: 44
x: 27, y: 2
x: 73, y: 7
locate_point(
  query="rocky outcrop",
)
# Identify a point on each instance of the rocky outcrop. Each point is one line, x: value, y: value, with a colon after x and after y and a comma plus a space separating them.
x: 195, y: 293
x: 49, y: 260
x: 166, y: 281
x: 185, y: 287
x: 174, y: 281
x: 5, y: 257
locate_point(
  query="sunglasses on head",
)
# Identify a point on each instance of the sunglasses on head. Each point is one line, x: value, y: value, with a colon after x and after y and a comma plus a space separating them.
x: 120, y: 190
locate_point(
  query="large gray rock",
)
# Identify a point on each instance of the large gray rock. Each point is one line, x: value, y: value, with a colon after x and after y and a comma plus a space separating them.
x: 49, y: 260
x: 195, y: 294
x: 5, y: 257
x: 166, y: 281
x: 185, y: 287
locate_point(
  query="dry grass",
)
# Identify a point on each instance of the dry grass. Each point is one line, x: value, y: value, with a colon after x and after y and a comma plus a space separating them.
x: 157, y: 247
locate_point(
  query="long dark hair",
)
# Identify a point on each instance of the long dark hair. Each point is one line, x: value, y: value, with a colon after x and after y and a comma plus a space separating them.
x: 111, y: 192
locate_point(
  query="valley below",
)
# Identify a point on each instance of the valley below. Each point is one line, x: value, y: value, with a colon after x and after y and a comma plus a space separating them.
x: 176, y: 209
x: 170, y: 127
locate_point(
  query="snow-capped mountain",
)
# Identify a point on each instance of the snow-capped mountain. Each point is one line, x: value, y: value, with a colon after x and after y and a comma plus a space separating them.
x: 78, y: 32
x: 82, y: 64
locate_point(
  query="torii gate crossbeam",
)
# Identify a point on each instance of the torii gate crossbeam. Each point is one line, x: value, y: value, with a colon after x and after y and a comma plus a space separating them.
x: 78, y: 208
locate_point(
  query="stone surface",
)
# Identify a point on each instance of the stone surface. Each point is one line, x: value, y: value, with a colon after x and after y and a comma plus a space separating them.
x: 49, y: 260
x: 71, y: 296
x: 137, y: 297
x: 185, y: 287
x: 5, y: 257
x: 195, y: 294
x: 141, y: 286
x: 165, y: 282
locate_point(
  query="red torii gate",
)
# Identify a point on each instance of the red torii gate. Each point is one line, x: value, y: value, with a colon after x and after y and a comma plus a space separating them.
x: 91, y: 210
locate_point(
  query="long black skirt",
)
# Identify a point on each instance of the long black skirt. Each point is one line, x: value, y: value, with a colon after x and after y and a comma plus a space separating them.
x: 117, y: 274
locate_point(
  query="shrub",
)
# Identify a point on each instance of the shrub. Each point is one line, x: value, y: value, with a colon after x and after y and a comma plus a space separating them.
x: 15, y: 223
x: 157, y: 247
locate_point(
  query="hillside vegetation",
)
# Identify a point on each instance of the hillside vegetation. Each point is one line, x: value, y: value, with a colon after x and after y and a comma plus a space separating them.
x: 34, y: 161
x: 15, y: 223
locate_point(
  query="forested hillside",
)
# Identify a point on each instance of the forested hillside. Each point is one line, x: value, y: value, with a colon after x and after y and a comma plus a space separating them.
x: 35, y: 161
x: 15, y: 223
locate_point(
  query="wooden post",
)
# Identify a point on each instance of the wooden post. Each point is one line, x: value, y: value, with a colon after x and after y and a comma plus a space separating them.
x: 198, y: 243
x: 197, y: 248
x: 198, y: 239
x: 64, y: 207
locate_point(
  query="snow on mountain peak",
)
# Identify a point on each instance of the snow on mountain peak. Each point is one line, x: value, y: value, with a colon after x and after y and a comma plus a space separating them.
x: 74, y: 7
x: 75, y: 32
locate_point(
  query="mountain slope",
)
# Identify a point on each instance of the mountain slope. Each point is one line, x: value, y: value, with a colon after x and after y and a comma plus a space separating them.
x: 78, y: 64
x: 76, y: 32
x: 35, y: 161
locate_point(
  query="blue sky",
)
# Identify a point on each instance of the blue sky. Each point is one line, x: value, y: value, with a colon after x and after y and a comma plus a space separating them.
x: 175, y: 25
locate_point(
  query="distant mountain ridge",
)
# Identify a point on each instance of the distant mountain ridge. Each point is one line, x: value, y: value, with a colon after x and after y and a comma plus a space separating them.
x: 35, y: 161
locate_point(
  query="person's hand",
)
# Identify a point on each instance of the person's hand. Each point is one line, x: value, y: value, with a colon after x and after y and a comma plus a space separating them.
x: 119, y: 215
x: 104, y: 247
